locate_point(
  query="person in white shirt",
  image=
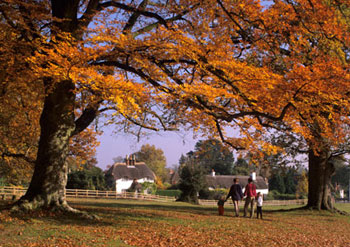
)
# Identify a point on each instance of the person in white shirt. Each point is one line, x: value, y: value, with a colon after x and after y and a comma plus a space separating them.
x: 259, y: 205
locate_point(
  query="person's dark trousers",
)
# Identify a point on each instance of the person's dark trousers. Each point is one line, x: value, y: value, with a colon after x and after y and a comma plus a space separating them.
x: 258, y: 212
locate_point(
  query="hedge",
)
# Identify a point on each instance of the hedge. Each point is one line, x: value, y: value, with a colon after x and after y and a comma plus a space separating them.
x: 174, y: 193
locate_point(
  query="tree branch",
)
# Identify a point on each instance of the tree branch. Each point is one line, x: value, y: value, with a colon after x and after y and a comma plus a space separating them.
x: 218, y: 127
x: 89, y: 114
x: 154, y: 25
x: 141, y: 123
x: 115, y: 4
x: 131, y: 69
x: 21, y: 156
x: 86, y: 18
x: 133, y: 18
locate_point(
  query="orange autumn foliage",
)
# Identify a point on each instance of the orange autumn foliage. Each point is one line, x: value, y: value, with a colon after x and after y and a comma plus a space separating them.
x: 247, y: 62
x: 213, y: 66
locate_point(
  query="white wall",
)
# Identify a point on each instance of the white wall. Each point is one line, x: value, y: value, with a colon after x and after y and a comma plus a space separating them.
x: 262, y: 191
x: 124, y: 184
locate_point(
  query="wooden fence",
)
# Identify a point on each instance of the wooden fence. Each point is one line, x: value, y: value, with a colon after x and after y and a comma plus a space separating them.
x: 76, y: 193
x: 8, y: 193
x: 12, y: 193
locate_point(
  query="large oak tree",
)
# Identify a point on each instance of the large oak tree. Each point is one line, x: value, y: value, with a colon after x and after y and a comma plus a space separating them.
x: 60, y: 47
x: 213, y: 66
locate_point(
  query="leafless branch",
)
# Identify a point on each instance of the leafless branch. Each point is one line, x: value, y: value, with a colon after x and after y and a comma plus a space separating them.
x: 218, y: 127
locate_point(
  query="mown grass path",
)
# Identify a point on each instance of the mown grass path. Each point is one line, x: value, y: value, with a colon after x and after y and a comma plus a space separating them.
x: 138, y: 223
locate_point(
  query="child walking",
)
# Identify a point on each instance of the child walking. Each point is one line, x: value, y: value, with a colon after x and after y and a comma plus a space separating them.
x: 221, y: 203
x: 259, y: 205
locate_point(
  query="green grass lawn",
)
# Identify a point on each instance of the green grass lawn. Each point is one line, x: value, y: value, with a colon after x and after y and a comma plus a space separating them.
x: 141, y: 223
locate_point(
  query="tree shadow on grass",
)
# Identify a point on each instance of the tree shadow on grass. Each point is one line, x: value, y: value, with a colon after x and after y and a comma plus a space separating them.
x: 305, y: 210
x: 59, y: 218
x: 285, y: 209
x: 5, y: 205
x: 110, y: 213
x: 195, y: 209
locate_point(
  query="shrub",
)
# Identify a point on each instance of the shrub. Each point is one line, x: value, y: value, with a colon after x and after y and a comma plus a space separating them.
x: 151, y: 188
x: 173, y: 187
x: 206, y: 194
x: 89, y: 179
x: 166, y: 185
x: 174, y: 193
x: 212, y: 194
x: 3, y: 182
x: 275, y: 195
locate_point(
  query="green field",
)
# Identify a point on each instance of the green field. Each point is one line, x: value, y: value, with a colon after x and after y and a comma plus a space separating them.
x: 140, y: 223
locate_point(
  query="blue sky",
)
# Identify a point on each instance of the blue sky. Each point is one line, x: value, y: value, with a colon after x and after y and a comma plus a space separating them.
x: 173, y: 145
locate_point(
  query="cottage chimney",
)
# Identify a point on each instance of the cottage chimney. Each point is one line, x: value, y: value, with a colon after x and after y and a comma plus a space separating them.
x: 213, y: 172
x: 253, y: 176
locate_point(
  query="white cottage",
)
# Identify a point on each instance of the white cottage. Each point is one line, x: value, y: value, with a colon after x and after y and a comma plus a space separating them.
x: 121, y: 175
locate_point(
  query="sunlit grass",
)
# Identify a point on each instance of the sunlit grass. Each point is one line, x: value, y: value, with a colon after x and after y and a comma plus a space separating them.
x: 143, y: 223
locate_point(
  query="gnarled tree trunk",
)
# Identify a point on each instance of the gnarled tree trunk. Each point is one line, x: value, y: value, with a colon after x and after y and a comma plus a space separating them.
x: 321, y: 171
x: 46, y: 189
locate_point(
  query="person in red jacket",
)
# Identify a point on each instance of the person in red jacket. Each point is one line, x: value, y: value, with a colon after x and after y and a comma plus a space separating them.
x: 250, y: 194
x: 221, y: 203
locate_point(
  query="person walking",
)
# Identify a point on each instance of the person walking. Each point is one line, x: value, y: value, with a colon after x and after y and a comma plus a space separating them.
x: 236, y: 194
x: 259, y: 203
x: 221, y: 204
x: 250, y: 194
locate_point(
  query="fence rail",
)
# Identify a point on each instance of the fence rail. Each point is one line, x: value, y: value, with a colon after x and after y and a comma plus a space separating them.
x: 16, y: 192
x: 77, y: 193
x: 8, y: 193
x: 11, y: 192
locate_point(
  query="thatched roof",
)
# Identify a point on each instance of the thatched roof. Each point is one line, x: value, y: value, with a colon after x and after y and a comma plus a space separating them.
x: 136, y: 171
x: 225, y: 181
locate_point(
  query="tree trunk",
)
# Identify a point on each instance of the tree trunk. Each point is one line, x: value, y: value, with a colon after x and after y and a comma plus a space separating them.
x: 321, y: 171
x: 46, y: 189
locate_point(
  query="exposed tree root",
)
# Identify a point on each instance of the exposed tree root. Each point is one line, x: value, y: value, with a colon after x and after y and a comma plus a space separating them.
x: 306, y: 207
x: 341, y: 212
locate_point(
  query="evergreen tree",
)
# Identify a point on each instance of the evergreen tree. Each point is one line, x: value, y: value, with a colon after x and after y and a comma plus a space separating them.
x: 90, y: 179
x: 276, y: 182
x: 342, y: 171
x: 241, y: 167
x: 192, y: 180
x: 290, y: 182
x: 212, y: 154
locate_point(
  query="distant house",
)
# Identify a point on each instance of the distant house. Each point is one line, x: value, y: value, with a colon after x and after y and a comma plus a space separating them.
x: 121, y: 175
x: 225, y: 182
x: 173, y: 177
